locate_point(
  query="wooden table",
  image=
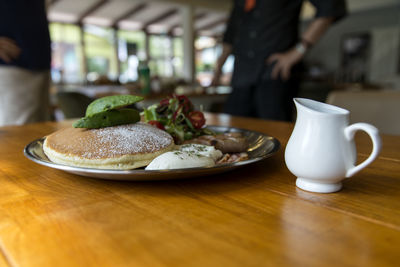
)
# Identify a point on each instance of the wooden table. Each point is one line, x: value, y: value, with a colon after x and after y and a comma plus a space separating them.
x: 253, y: 216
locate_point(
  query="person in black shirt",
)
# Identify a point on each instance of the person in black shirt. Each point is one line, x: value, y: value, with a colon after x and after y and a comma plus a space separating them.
x: 25, y: 56
x: 263, y: 36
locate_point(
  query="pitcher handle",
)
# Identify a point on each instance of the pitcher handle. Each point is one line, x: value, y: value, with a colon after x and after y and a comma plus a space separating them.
x: 373, y: 133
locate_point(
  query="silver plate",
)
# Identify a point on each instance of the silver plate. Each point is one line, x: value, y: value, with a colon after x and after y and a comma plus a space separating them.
x: 261, y: 146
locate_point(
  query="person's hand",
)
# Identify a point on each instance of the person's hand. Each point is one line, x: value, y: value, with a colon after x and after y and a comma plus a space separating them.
x: 284, y: 63
x: 8, y: 49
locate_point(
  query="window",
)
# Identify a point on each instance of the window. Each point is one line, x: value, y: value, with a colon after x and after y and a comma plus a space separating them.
x: 177, y: 60
x: 100, y: 52
x: 67, y: 58
x: 131, y: 49
x: 160, y: 62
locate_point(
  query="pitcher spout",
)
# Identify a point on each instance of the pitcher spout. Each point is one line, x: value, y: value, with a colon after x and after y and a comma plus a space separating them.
x: 312, y: 106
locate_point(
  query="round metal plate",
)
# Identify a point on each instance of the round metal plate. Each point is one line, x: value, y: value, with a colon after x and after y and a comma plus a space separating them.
x: 261, y: 146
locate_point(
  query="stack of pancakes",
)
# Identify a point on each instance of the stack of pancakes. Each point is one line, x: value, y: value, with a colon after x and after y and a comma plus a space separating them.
x: 120, y: 147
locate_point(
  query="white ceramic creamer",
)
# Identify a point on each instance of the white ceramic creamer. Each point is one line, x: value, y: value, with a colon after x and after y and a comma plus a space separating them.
x: 321, y: 151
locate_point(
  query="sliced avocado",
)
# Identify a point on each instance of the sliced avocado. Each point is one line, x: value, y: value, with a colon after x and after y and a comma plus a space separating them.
x: 108, y: 118
x: 111, y: 102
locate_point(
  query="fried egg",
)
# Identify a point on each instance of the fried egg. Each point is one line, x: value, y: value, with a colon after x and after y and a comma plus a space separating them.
x: 188, y: 156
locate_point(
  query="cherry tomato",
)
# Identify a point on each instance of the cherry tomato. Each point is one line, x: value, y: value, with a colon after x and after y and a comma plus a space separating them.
x: 197, y: 119
x: 157, y: 124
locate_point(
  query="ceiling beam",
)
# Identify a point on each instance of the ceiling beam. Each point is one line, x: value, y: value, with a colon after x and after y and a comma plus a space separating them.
x: 161, y: 17
x: 131, y: 12
x: 221, y: 5
x: 212, y: 24
x: 91, y: 10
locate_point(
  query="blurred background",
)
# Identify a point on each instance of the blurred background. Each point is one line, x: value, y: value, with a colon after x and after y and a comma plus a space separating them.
x: 99, y: 47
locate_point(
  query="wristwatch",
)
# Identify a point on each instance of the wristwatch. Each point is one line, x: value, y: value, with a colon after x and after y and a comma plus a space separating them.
x: 302, y: 47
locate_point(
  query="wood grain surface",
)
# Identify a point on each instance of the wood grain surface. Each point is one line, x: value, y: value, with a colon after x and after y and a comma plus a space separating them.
x: 253, y: 216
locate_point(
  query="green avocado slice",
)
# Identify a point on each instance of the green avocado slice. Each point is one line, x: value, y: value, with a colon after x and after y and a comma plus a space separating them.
x: 108, y: 118
x: 110, y: 103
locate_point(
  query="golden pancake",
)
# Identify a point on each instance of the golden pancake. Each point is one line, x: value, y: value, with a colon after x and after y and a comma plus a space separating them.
x: 121, y: 147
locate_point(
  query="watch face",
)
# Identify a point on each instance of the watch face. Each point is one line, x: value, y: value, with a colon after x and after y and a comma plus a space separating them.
x: 301, y: 48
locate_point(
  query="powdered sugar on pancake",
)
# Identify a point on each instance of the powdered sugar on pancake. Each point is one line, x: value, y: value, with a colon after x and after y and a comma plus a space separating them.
x: 116, y: 141
x: 136, y: 138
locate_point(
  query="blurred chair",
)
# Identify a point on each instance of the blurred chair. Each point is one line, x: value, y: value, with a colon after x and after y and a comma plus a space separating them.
x: 73, y: 104
x: 381, y: 108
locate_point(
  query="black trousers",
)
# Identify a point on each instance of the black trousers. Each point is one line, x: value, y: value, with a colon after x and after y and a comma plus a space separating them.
x: 266, y: 98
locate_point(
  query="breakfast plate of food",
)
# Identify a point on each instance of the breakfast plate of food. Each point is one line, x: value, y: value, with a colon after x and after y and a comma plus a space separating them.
x: 165, y: 141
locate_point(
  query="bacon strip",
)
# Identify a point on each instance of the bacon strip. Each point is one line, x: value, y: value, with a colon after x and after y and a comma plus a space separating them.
x: 232, y: 145
x: 227, y: 142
